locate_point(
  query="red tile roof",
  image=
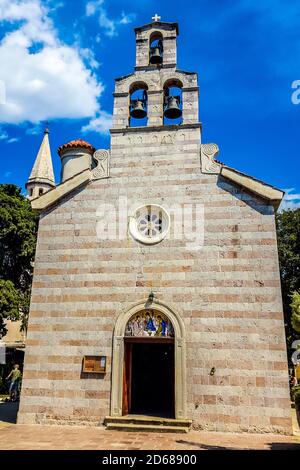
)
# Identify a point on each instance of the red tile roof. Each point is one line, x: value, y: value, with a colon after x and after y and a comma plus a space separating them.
x: 78, y: 143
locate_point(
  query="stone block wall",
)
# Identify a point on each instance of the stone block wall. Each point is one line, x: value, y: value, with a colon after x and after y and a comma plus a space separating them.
x: 227, y: 292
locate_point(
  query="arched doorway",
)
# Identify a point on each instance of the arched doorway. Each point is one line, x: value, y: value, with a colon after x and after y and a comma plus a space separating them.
x: 148, y: 376
x: 149, y: 332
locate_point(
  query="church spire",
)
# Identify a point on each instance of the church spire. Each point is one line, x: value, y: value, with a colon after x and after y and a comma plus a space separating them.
x: 41, y: 178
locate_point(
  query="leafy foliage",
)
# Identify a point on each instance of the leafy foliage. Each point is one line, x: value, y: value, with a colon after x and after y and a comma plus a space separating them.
x: 295, y: 306
x: 9, y: 303
x: 288, y: 235
x: 18, y: 228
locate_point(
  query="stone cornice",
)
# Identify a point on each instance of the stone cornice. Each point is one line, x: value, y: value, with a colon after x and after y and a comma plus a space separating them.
x: 118, y: 79
x: 184, y: 72
x: 52, y: 196
x: 158, y: 25
x: 128, y: 130
x: 209, y: 165
x: 191, y: 88
x: 154, y: 67
x: 39, y: 180
x: 120, y: 94
x: 260, y: 188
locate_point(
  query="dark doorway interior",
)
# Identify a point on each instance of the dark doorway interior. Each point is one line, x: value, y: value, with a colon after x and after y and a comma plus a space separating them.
x: 152, y: 379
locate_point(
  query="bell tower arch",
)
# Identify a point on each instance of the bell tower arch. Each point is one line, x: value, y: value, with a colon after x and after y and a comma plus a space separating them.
x: 156, y: 67
x: 157, y: 30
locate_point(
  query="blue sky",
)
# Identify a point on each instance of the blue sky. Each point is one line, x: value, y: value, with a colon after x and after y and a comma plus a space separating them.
x: 59, y: 60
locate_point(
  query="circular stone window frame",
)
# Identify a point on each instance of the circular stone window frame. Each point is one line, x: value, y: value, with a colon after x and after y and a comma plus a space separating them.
x: 138, y: 236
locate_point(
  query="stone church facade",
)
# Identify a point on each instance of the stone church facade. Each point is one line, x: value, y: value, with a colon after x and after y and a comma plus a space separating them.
x: 207, y: 297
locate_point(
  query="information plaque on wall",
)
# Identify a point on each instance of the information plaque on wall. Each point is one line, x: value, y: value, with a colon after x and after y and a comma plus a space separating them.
x: 94, y: 364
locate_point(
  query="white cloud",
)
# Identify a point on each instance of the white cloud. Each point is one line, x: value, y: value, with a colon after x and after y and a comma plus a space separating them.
x: 290, y: 201
x: 7, y: 174
x: 110, y: 25
x: 53, y: 82
x: 34, y: 130
x: 92, y: 7
x: 100, y: 124
x: 54, y: 5
x: 3, y: 134
x: 126, y: 19
x: 89, y: 56
x: 5, y: 137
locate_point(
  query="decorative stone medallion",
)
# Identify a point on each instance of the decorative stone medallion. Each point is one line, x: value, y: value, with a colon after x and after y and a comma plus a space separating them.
x: 101, y: 159
x: 208, y: 155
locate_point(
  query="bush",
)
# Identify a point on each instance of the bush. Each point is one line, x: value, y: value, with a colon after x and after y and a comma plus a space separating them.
x: 295, y: 306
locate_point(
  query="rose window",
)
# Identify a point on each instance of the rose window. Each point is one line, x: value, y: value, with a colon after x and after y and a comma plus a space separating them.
x: 150, y: 224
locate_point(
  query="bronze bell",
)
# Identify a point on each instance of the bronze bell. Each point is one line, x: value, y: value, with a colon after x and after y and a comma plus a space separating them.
x: 155, y: 55
x: 137, y: 109
x: 172, y: 109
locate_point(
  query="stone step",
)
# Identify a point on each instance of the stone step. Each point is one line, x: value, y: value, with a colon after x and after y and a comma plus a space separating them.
x: 145, y: 427
x: 143, y: 419
x: 150, y: 423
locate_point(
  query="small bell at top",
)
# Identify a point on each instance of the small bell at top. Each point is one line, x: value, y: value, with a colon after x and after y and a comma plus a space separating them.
x: 156, y: 53
x: 172, y: 109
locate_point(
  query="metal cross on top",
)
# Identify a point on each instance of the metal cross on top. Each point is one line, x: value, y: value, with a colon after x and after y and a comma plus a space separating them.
x: 156, y: 17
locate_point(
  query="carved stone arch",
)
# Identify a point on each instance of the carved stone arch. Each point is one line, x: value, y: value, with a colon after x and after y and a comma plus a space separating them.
x: 123, y: 84
x: 172, y: 81
x: 179, y: 353
x: 176, y: 77
x: 158, y: 32
x: 127, y: 85
x: 137, y: 85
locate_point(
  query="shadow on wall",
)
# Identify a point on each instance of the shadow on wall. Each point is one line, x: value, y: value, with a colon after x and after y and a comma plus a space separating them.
x: 255, y: 202
x: 63, y: 200
x: 9, y: 412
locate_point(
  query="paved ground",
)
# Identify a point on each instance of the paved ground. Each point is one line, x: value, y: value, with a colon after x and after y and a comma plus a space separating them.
x: 15, y: 437
x: 69, y: 437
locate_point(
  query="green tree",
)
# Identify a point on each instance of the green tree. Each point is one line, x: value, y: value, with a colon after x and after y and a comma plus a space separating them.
x: 9, y: 303
x: 18, y: 229
x: 288, y: 235
x: 295, y: 306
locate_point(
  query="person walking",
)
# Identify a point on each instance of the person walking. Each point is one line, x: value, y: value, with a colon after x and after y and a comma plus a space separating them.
x: 15, y: 376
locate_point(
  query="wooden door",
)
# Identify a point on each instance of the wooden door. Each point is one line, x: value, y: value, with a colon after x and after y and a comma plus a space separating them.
x: 126, y: 405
